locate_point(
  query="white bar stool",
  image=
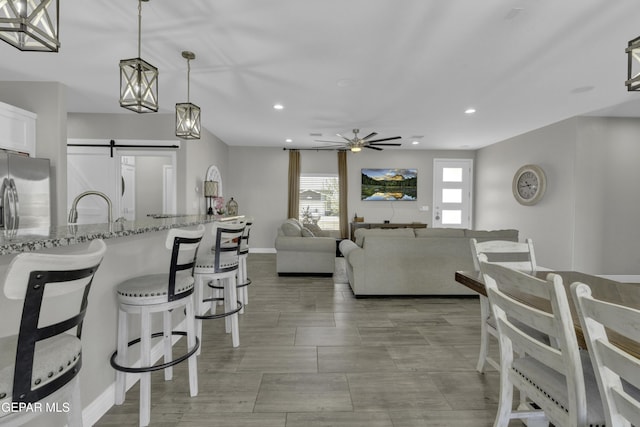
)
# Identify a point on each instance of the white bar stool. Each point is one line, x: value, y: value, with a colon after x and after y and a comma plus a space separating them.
x: 220, y: 264
x: 159, y: 293
x: 41, y: 363
x: 243, y: 279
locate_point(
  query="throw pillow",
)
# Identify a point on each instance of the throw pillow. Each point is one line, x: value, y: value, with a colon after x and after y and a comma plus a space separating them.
x: 307, y: 233
x: 291, y: 229
x: 315, y: 229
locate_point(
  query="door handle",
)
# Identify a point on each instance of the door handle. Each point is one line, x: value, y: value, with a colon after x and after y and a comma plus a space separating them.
x: 4, y: 203
x: 16, y: 206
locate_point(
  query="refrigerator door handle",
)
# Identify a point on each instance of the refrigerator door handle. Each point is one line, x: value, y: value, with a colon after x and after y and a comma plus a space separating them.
x: 15, y: 217
x: 6, y: 206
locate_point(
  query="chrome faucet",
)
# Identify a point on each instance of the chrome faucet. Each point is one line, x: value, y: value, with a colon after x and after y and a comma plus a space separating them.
x: 73, y: 213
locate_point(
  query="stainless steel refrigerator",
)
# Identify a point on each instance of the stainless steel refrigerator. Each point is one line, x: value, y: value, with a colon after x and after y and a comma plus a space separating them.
x: 25, y: 200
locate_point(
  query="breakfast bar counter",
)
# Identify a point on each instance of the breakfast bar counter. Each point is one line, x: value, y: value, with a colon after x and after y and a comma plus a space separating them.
x: 34, y: 239
x: 134, y: 248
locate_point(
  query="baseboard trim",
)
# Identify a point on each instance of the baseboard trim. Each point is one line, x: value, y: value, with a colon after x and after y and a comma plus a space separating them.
x: 262, y: 250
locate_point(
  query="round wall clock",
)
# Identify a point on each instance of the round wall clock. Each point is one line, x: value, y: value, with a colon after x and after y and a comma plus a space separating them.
x: 529, y: 184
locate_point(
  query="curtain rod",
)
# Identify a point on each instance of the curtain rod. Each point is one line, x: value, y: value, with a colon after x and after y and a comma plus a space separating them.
x: 112, y: 145
x: 315, y: 149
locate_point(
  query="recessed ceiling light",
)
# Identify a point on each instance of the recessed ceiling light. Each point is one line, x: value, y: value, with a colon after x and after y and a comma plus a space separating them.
x: 415, y: 142
x: 288, y: 140
x: 278, y: 106
x: 470, y: 111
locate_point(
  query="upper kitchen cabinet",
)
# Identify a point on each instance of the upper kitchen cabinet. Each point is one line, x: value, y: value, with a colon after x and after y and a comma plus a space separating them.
x: 17, y: 129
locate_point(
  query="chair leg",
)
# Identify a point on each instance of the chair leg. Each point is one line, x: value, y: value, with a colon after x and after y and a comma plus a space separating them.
x: 227, y: 302
x: 122, y: 347
x: 168, y: 356
x: 191, y: 342
x: 505, y: 403
x: 484, y: 334
x: 198, y: 296
x: 239, y: 281
x: 233, y: 304
x: 145, y: 360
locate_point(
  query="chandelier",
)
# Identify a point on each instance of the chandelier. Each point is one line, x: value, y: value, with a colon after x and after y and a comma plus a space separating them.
x: 188, y: 114
x: 138, y: 80
x: 30, y: 25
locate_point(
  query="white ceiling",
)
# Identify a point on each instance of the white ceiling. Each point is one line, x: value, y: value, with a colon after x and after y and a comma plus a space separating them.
x: 397, y: 67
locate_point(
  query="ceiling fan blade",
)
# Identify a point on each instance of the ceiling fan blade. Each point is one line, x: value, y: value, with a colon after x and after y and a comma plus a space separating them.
x: 371, y: 135
x: 386, y: 139
x: 392, y: 144
x: 373, y: 147
x: 343, y: 137
x: 332, y: 142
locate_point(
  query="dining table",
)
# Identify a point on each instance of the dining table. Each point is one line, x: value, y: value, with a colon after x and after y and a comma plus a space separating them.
x: 603, y: 288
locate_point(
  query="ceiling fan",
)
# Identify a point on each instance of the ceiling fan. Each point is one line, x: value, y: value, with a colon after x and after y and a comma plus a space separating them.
x: 356, y: 143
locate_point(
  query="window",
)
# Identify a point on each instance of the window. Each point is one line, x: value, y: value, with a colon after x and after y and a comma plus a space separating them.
x: 320, y: 201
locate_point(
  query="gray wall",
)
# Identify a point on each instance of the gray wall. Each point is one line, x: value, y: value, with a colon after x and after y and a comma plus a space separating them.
x: 587, y: 219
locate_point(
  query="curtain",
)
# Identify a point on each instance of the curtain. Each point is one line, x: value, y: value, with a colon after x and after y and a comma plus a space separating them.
x: 342, y: 183
x: 293, y: 207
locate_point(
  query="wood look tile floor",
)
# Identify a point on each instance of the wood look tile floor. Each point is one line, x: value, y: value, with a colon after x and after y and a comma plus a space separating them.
x: 312, y: 355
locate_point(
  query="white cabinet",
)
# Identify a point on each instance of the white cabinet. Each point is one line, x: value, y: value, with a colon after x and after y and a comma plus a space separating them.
x: 17, y: 129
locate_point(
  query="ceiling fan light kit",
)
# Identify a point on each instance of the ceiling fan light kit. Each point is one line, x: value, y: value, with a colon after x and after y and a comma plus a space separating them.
x: 356, y: 143
x: 633, y: 65
x: 138, y: 80
x: 30, y: 25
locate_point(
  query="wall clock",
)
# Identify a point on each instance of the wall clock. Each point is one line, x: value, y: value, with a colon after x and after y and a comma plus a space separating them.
x: 529, y: 184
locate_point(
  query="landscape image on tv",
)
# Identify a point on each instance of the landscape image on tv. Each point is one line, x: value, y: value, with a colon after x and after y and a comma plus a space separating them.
x: 389, y: 184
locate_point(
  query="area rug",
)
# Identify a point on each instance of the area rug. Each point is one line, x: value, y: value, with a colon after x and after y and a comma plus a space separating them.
x: 340, y: 272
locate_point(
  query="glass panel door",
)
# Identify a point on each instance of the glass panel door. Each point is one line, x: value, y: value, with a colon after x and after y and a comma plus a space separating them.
x: 452, y: 193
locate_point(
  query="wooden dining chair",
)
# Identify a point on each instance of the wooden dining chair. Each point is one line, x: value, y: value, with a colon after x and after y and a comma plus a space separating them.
x: 617, y: 371
x: 517, y: 255
x: 556, y: 378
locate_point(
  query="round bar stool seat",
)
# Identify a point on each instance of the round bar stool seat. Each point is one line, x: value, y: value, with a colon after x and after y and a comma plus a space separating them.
x: 159, y: 293
x: 220, y: 265
x: 41, y: 363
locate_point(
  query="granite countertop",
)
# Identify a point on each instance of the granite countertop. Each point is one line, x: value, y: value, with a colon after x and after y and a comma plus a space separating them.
x: 27, y: 240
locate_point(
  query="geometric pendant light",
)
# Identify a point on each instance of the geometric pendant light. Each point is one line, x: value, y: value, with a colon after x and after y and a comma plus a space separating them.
x: 188, y: 114
x: 138, y: 80
x: 30, y: 25
x: 633, y: 65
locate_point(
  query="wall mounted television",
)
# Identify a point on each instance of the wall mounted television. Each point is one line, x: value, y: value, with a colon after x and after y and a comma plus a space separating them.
x: 389, y: 184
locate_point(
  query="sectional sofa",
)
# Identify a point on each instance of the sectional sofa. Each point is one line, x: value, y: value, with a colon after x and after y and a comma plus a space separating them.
x: 408, y: 261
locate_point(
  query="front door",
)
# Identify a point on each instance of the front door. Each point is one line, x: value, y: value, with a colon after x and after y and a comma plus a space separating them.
x: 452, y: 184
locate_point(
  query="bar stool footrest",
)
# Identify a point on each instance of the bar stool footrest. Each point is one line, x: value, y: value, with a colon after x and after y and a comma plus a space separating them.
x: 247, y: 283
x: 220, y: 315
x: 142, y: 369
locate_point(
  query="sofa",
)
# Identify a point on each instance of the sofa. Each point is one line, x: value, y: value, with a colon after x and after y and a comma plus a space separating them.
x: 407, y: 261
x: 302, y: 249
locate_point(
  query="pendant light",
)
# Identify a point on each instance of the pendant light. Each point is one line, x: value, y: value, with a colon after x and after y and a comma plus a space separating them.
x: 30, y: 25
x: 188, y: 114
x: 138, y: 80
x: 633, y: 65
